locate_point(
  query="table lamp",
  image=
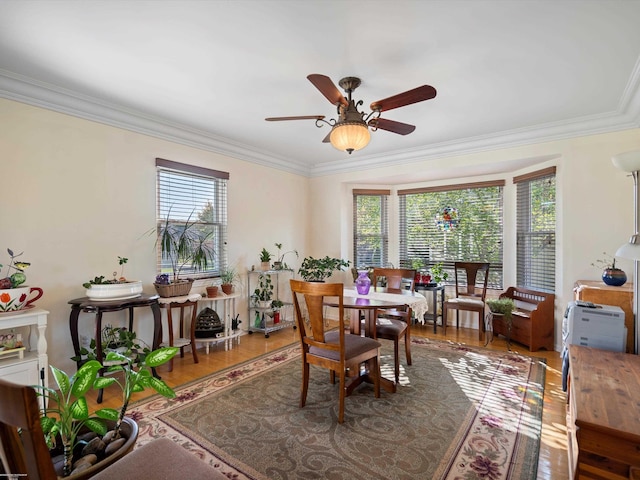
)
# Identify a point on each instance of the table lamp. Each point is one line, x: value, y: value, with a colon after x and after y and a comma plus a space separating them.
x: 630, y: 162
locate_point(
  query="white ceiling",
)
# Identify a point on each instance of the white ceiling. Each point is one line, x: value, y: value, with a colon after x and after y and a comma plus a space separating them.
x: 207, y: 73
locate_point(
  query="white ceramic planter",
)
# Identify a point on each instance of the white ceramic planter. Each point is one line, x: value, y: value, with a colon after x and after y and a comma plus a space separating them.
x: 115, y: 291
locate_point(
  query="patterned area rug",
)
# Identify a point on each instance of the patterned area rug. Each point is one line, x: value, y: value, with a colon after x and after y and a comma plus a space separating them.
x: 460, y: 413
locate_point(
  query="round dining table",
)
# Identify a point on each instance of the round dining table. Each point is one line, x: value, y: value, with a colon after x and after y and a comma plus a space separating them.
x: 368, y: 304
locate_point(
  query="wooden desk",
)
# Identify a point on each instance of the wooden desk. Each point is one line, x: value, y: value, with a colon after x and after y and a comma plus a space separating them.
x: 599, y: 292
x: 603, y: 418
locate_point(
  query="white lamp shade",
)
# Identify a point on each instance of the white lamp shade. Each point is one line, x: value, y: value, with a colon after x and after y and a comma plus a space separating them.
x: 629, y: 250
x: 627, y: 161
x: 350, y: 136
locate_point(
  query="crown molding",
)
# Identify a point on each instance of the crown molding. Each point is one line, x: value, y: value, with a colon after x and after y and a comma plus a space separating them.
x: 40, y: 94
x: 33, y: 92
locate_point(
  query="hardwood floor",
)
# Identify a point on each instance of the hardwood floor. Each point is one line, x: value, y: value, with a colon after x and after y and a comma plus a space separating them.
x: 553, y: 446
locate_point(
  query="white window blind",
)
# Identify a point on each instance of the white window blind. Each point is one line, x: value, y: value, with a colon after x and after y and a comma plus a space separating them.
x: 370, y: 228
x: 453, y: 223
x: 536, y: 230
x: 193, y: 194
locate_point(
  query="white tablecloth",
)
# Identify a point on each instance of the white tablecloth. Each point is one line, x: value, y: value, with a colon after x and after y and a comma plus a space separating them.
x: 417, y: 301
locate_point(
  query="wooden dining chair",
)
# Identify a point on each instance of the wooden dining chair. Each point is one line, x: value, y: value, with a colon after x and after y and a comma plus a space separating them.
x: 24, y: 452
x: 333, y: 349
x: 471, y: 290
x: 394, y: 324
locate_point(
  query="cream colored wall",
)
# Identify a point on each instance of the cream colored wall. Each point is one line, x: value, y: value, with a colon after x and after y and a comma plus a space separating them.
x: 78, y: 194
x: 594, y: 202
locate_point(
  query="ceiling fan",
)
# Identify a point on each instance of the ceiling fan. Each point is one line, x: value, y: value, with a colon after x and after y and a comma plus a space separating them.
x: 351, y: 130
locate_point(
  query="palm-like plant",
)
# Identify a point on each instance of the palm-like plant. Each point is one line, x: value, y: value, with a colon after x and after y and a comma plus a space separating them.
x: 183, y: 243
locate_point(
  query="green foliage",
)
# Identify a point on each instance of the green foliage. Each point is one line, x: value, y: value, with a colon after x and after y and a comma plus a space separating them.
x: 228, y: 275
x: 280, y: 257
x: 319, y: 269
x: 504, y: 306
x: 67, y: 410
x: 265, y: 256
x: 438, y: 274
x: 477, y: 237
x: 135, y: 380
x: 264, y: 290
x: 101, y: 280
x: 185, y: 243
x: 115, y: 338
x: 370, y: 230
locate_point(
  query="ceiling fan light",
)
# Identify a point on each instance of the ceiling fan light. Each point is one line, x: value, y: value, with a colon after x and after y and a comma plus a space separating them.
x: 350, y: 136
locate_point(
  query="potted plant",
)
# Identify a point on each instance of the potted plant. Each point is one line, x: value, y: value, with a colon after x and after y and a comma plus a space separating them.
x: 438, y: 274
x: 319, y: 269
x: 67, y: 411
x: 265, y: 259
x: 227, y: 277
x: 101, y: 288
x: 182, y: 244
x: 13, y: 294
x: 264, y: 291
x: 505, y: 308
x: 118, y: 339
x: 279, y: 263
x: 610, y: 274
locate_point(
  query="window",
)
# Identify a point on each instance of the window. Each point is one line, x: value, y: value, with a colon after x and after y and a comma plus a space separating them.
x: 453, y: 223
x: 193, y: 194
x: 370, y: 228
x: 536, y: 225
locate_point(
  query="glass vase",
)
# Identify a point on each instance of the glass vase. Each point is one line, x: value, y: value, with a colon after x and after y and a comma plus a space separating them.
x: 363, y: 282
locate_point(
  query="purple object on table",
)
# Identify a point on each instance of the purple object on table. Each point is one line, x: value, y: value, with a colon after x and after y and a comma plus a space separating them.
x: 363, y: 282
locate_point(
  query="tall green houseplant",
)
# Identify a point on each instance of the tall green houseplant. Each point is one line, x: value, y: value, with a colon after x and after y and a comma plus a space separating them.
x: 184, y: 243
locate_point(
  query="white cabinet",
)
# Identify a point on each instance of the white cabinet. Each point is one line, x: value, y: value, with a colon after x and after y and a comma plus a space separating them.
x: 262, y: 317
x: 34, y: 362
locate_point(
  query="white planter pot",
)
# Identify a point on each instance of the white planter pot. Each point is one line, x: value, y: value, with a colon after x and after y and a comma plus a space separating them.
x: 115, y: 291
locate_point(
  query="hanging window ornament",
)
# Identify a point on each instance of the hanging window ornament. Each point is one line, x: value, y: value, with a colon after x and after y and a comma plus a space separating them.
x: 447, y: 219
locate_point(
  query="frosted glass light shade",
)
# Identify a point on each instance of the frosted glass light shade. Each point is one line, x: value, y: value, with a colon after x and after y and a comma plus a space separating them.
x: 631, y: 249
x: 350, y: 136
x: 627, y: 161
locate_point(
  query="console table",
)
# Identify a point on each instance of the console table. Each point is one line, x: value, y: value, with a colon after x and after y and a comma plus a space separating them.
x: 99, y: 307
x: 603, y: 420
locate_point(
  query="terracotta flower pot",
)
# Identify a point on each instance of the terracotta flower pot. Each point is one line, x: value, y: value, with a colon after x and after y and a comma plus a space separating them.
x: 227, y: 288
x: 212, y: 291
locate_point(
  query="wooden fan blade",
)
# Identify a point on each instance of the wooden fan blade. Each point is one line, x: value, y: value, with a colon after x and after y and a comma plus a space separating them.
x: 392, y: 126
x: 420, y: 94
x: 327, y: 88
x: 327, y: 139
x: 305, y: 117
